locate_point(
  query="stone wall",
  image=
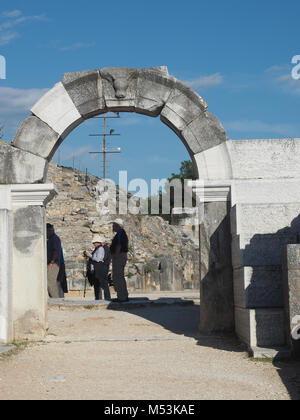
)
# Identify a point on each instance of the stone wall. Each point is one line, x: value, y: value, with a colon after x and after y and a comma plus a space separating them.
x: 161, y: 257
x: 188, y: 220
x: 6, y: 249
x: 291, y: 287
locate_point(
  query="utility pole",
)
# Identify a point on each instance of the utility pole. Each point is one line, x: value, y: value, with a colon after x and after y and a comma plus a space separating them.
x: 104, y: 151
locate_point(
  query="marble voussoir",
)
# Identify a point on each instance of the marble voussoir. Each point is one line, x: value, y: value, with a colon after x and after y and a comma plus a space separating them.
x: 36, y: 137
x: 154, y: 88
x: 20, y: 167
x: 119, y: 88
x: 204, y: 132
x: 183, y: 106
x: 85, y: 90
x: 57, y: 109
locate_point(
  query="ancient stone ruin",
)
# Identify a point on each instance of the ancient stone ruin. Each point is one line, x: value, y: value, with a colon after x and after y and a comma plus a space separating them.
x: 161, y: 256
x: 248, y: 195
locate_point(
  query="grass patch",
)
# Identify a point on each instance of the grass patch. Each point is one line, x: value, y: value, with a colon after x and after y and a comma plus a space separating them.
x: 148, y: 269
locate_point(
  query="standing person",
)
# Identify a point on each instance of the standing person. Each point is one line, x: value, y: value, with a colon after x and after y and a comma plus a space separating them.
x: 62, y: 276
x: 54, y: 251
x: 119, y: 251
x: 100, y: 261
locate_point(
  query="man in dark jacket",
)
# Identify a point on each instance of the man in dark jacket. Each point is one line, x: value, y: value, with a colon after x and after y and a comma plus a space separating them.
x: 119, y: 250
x: 54, y: 256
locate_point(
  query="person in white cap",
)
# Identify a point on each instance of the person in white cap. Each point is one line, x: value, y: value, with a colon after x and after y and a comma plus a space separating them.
x: 100, y: 259
x: 119, y: 251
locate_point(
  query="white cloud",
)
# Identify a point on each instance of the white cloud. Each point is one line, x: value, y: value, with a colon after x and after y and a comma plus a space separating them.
x: 282, y: 77
x: 15, y: 106
x: 257, y: 127
x: 277, y: 68
x: 289, y: 84
x: 77, y: 46
x: 11, y: 14
x: 205, y: 82
x: 12, y: 19
x: 78, y: 152
x: 7, y: 37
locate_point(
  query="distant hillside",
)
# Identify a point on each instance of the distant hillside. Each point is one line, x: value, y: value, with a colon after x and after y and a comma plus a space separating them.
x: 161, y: 257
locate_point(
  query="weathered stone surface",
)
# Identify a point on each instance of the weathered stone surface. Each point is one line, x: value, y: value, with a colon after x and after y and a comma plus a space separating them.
x: 292, y: 257
x: 57, y: 109
x: 36, y: 137
x: 214, y: 163
x: 187, y: 219
x: 258, y: 287
x: 243, y: 325
x: 260, y: 327
x: 169, y: 276
x: 265, y: 159
x: 6, y: 326
x: 204, y: 133
x: 183, y: 106
x: 20, y: 167
x: 154, y: 88
x: 270, y: 327
x: 85, y: 90
x: 291, y: 285
x: 119, y: 88
x: 216, y: 288
x: 250, y: 219
x: 5, y: 197
x: 265, y: 191
x: 6, y: 349
x: 260, y: 250
x: 29, y: 256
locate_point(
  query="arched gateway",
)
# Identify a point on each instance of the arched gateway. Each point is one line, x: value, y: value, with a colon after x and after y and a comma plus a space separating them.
x: 23, y: 194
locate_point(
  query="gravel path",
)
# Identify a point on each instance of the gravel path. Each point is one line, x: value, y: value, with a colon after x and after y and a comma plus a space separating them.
x: 141, y: 353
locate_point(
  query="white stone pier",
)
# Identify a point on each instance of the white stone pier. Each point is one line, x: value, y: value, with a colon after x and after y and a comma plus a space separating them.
x: 23, y: 280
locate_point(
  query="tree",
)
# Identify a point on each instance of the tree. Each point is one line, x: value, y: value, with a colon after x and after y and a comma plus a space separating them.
x: 186, y: 172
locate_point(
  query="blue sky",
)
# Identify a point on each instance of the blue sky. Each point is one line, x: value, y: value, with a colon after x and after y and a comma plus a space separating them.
x: 236, y: 54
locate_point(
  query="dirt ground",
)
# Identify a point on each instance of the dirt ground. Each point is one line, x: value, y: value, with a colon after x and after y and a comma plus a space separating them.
x: 140, y: 353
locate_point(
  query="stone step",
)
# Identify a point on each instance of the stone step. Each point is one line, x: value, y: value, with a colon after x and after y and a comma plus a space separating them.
x: 276, y: 353
x: 132, y: 303
x: 6, y: 349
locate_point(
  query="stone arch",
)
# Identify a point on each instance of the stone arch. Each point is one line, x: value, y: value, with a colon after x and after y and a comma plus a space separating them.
x: 82, y: 95
x: 24, y: 163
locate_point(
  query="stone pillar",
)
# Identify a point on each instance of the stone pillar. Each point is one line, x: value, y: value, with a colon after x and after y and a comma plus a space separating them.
x: 6, y: 330
x: 26, y: 268
x: 216, y: 282
x: 264, y: 218
x: 291, y: 288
